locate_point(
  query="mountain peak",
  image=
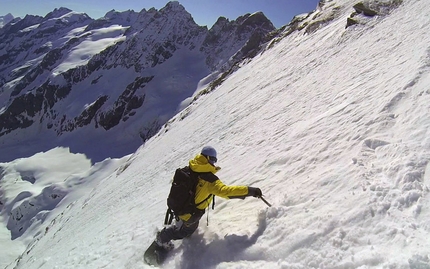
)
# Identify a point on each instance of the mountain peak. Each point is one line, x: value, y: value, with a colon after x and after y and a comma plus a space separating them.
x: 258, y: 18
x: 6, y: 19
x: 123, y: 17
x: 58, y: 12
x: 174, y: 9
x: 173, y: 5
x: 221, y: 20
x: 8, y: 16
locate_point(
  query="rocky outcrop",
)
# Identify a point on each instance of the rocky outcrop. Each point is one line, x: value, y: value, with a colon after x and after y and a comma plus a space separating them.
x: 124, y: 105
x: 22, y: 111
x: 366, y: 9
x: 361, y: 8
x: 318, y: 21
x: 228, y: 37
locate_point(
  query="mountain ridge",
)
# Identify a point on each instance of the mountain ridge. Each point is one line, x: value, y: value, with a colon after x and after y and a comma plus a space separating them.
x: 41, y: 69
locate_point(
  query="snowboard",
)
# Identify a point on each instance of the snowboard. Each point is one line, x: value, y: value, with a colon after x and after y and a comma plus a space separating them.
x: 155, y: 255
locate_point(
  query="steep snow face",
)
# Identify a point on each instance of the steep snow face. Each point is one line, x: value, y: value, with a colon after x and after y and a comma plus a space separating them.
x: 84, y: 51
x: 331, y: 123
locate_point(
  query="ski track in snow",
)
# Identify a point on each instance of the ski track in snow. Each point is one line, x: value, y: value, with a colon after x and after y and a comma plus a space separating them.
x: 333, y: 127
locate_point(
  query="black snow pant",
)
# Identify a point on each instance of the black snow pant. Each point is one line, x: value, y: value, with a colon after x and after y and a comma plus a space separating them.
x: 186, y: 229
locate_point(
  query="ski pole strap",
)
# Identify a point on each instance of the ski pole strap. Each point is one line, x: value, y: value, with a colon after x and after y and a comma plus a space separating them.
x: 169, y: 217
x: 264, y: 200
x: 213, y: 207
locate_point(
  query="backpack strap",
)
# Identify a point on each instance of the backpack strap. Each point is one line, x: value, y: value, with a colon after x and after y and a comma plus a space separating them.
x: 209, y: 177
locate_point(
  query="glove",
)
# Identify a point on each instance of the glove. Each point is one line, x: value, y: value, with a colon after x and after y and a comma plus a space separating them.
x: 256, y: 192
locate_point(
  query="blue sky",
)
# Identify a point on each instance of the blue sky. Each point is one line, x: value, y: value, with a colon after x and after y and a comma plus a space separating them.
x: 204, y: 12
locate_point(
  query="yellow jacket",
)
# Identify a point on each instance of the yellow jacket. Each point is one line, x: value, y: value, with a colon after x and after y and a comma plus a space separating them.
x: 209, y: 185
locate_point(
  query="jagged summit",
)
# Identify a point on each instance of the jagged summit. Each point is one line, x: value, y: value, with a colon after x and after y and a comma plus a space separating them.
x: 16, y: 25
x: 124, y: 18
x: 226, y: 33
x: 8, y: 16
x: 258, y: 19
x: 58, y: 12
x: 6, y: 19
x: 112, y: 14
x: 173, y: 6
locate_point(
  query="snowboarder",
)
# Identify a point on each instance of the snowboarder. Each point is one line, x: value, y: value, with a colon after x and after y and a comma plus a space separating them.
x: 208, y: 186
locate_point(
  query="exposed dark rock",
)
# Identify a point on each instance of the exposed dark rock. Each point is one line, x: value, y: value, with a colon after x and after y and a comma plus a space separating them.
x: 371, y: 9
x: 28, y: 78
x: 237, y: 33
x: 50, y: 58
x: 318, y: 22
x: 350, y: 21
x: 296, y: 24
x: 90, y: 112
x: 99, y: 23
x: 58, y: 12
x: 162, y: 53
x: 251, y: 45
x: 12, y: 28
x: 255, y: 21
x: 323, y: 3
x: 19, y: 114
x: 124, y: 104
x: 361, y: 8
x: 149, y: 130
x: 77, y: 74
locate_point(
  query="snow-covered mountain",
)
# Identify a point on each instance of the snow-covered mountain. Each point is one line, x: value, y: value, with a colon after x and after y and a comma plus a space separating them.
x: 6, y: 19
x: 102, y: 87
x: 330, y: 119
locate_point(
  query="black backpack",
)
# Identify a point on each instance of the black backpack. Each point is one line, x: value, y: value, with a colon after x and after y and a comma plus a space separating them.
x: 182, y: 194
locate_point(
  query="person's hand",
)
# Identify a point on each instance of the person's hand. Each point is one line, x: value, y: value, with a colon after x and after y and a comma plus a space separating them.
x: 256, y: 192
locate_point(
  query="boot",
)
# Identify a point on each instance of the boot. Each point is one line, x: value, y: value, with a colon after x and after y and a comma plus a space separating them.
x: 165, y: 245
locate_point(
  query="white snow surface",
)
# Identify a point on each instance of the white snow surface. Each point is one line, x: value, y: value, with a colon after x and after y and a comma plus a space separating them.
x: 99, y: 38
x: 334, y: 127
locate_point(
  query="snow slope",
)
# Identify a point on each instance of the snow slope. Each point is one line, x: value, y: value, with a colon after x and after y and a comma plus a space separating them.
x: 333, y: 127
x: 36, y: 190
